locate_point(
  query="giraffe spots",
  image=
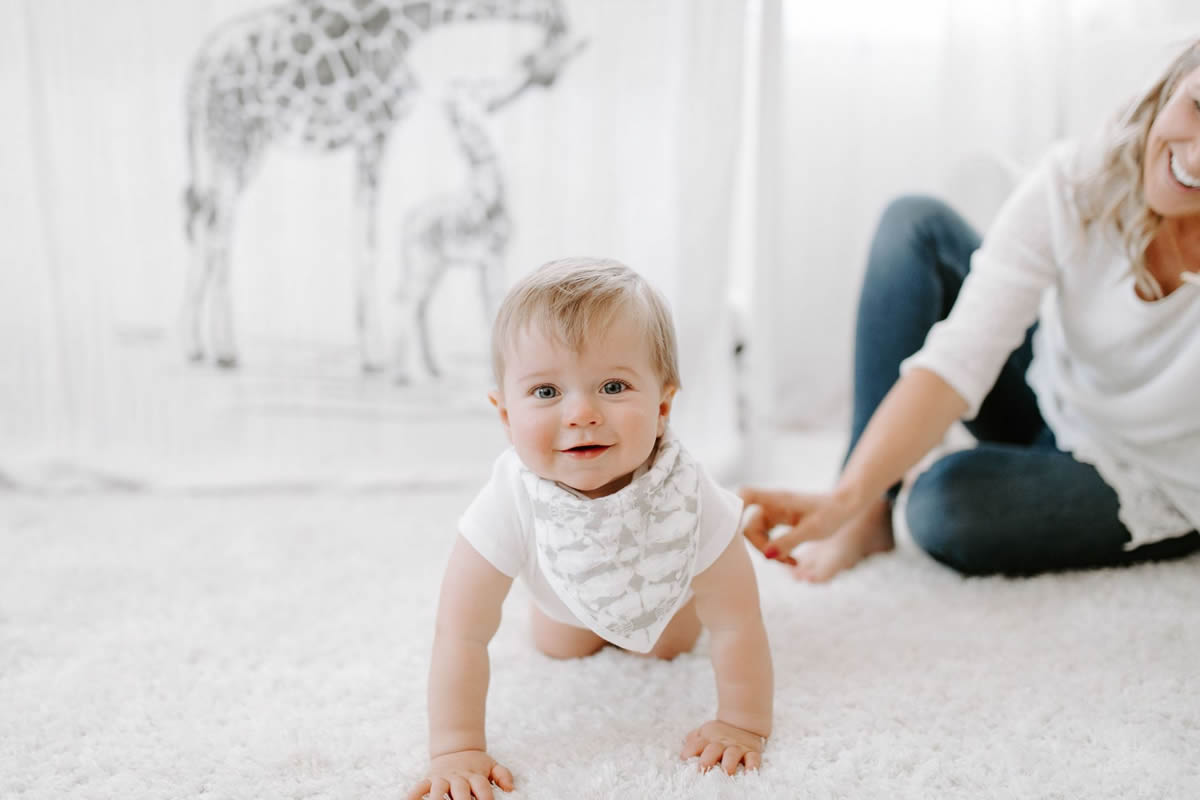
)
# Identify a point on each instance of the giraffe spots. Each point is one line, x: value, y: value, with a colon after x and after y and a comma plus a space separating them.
x: 302, y: 42
x: 419, y: 13
x: 324, y: 71
x: 376, y: 23
x: 382, y: 63
x: 352, y: 59
x: 400, y: 40
x: 336, y: 26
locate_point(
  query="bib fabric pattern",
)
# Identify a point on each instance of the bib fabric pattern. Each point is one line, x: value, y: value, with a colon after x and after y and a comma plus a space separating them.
x: 623, y: 564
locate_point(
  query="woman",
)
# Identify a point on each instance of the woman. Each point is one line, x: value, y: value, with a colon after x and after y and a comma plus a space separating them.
x: 1086, y: 406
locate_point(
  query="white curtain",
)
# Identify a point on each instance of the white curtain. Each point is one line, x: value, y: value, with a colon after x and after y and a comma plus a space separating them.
x: 667, y: 135
x: 864, y: 100
x: 631, y: 153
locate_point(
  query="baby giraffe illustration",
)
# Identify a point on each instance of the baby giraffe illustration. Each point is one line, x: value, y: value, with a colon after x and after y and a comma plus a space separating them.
x: 328, y: 75
x: 467, y: 228
x: 470, y: 228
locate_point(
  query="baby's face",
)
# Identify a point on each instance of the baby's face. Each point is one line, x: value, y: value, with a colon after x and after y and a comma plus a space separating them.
x: 586, y: 420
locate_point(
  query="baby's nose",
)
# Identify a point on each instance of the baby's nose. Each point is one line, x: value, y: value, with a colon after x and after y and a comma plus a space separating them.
x: 582, y: 411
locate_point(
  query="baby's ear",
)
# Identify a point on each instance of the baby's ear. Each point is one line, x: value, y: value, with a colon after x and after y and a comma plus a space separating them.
x: 497, y: 399
x: 664, y: 408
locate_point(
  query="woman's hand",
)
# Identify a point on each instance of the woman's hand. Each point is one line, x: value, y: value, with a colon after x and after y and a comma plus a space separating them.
x: 717, y: 742
x: 809, y: 517
x: 465, y: 775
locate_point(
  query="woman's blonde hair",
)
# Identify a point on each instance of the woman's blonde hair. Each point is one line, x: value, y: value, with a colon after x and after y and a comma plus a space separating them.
x: 572, y: 299
x: 1111, y: 192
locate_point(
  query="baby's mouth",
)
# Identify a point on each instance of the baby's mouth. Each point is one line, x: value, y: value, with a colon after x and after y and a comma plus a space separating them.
x: 586, y: 450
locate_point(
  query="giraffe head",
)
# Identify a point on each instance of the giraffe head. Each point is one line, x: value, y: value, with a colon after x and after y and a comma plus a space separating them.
x: 466, y: 111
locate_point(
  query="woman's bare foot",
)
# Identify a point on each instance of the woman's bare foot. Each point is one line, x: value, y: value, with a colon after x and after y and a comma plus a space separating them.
x: 868, y: 533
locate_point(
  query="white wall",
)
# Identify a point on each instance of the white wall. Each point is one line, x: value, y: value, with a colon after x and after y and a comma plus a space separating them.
x: 612, y: 160
x: 869, y: 99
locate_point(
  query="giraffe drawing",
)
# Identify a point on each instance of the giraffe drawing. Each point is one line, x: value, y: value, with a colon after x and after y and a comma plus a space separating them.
x: 328, y: 74
x: 470, y: 227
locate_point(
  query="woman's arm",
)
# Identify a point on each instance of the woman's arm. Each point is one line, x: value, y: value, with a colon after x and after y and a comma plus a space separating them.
x: 911, y: 420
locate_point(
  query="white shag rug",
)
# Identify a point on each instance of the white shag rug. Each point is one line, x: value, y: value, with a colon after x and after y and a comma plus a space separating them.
x: 181, y: 646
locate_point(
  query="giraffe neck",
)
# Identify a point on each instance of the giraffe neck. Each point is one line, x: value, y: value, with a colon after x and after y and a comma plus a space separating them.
x: 486, y: 180
x: 546, y: 14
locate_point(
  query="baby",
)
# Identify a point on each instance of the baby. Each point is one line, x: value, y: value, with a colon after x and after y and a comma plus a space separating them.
x: 619, y: 534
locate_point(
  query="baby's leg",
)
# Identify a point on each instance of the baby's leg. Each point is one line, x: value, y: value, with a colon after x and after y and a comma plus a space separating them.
x: 559, y: 640
x: 680, y: 634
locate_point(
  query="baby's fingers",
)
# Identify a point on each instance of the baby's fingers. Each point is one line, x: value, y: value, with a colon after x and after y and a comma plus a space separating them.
x: 752, y: 761
x: 420, y: 790
x: 711, y: 755
x: 693, y: 745
x: 502, y: 777
x: 731, y: 759
x: 460, y: 789
x: 482, y: 788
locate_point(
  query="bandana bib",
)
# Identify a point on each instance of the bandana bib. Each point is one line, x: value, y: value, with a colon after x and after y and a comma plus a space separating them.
x: 622, y: 564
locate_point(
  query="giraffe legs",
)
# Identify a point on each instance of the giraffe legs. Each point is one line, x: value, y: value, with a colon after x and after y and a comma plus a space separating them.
x: 423, y: 267
x: 432, y: 278
x: 207, y: 296
x: 366, y: 301
x: 224, y: 346
x: 491, y: 279
x: 192, y: 310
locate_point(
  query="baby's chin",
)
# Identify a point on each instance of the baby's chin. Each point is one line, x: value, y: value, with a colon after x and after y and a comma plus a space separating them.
x: 597, y: 489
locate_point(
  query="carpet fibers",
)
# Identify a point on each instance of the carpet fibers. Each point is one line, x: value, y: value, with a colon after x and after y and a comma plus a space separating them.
x: 276, y: 646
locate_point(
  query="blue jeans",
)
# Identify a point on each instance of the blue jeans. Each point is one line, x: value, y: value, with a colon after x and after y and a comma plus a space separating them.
x: 1014, y: 504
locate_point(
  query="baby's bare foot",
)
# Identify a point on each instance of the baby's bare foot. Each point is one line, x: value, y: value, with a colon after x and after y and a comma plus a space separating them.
x: 865, y: 535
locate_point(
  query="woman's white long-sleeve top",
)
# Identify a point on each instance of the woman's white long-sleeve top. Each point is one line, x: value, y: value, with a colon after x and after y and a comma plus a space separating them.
x: 1117, y: 378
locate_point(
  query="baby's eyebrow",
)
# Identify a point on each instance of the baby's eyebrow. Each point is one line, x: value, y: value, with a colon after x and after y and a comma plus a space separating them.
x: 530, y: 377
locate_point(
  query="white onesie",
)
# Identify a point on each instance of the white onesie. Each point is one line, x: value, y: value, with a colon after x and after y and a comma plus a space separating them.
x: 620, y: 565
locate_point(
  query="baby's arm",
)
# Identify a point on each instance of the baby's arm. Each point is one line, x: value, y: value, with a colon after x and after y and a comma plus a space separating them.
x: 468, y: 616
x: 727, y: 603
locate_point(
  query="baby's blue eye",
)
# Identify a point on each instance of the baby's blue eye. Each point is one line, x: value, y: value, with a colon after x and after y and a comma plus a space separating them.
x: 614, y: 387
x: 545, y: 392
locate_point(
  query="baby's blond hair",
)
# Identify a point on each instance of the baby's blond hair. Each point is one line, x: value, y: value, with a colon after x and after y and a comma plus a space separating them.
x: 571, y: 299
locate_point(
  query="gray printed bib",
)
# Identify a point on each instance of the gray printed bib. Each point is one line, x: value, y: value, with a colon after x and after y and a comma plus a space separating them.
x: 623, y: 564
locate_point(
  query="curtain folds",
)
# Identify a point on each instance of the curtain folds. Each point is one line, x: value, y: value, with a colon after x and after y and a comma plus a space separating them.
x: 628, y: 152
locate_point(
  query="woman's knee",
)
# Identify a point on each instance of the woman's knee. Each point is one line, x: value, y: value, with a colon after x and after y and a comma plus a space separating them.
x: 906, y: 237
x: 947, y: 521
x: 913, y: 216
x: 909, y: 211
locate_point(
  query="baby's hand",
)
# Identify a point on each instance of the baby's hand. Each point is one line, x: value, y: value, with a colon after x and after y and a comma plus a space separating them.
x: 463, y: 775
x: 718, y: 742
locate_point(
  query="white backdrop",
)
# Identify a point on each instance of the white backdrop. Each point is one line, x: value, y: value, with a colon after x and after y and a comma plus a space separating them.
x: 832, y: 110
x: 630, y: 154
x: 864, y: 100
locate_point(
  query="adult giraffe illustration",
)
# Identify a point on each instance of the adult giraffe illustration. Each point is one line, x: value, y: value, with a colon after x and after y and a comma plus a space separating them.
x: 329, y: 75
